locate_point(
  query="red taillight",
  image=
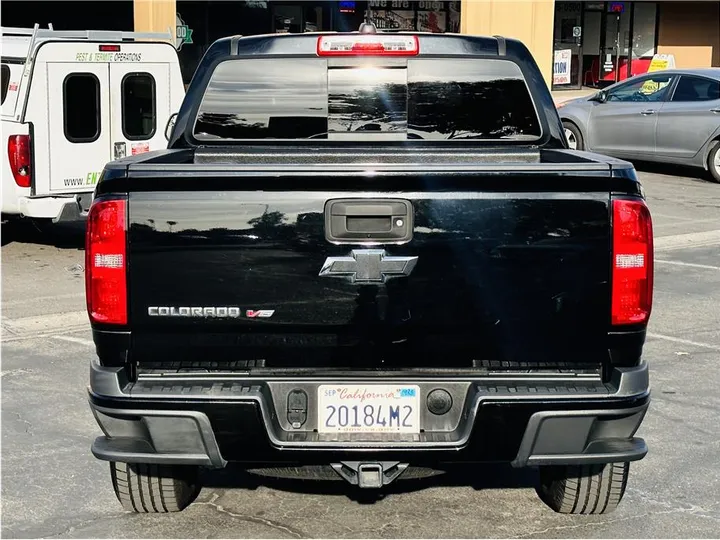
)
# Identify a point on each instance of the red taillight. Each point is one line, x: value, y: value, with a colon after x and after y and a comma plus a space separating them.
x: 109, y: 48
x: 367, y: 44
x: 632, y: 271
x: 19, y: 157
x: 106, y: 263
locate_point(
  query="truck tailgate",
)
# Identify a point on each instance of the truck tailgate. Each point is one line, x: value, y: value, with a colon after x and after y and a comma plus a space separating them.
x: 502, y: 269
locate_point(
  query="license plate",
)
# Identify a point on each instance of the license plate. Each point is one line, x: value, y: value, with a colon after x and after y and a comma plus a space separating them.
x: 368, y: 409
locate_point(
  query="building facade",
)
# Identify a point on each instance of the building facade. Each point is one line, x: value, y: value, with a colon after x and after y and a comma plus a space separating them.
x: 576, y: 44
x: 606, y: 42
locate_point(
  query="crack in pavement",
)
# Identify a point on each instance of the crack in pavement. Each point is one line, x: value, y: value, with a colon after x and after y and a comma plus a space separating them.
x: 671, y: 504
x: 543, y: 532
x: 29, y: 425
x: 253, y: 519
x: 77, y: 526
x: 24, y: 336
x: 74, y: 527
x: 18, y: 371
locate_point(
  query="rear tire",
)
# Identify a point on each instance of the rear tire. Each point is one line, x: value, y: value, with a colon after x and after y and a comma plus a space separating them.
x: 154, y: 489
x: 714, y: 162
x: 573, y: 136
x: 583, y: 489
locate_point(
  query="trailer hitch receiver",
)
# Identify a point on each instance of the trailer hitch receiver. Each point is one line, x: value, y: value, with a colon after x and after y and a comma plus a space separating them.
x: 369, y: 474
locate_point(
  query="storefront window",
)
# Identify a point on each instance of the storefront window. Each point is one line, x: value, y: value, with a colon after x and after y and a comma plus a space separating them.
x: 567, y: 44
x: 600, y: 43
x: 454, y: 17
x: 287, y: 19
x: 420, y: 15
x: 644, y: 23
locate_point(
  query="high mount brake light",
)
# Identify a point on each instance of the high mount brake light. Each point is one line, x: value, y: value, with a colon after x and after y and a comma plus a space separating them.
x: 368, y: 44
x: 632, y: 269
x: 109, y: 48
x: 106, y: 262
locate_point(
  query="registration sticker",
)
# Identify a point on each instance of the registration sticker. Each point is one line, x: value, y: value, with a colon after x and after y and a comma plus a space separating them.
x: 368, y: 408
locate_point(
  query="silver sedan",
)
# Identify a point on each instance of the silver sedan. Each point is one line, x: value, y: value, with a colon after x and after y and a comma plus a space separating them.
x: 670, y: 116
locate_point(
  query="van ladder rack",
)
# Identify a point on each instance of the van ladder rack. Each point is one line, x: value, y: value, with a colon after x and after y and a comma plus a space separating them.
x: 36, y: 33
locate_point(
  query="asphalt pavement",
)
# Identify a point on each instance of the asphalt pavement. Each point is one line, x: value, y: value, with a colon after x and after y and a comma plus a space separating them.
x: 53, y: 487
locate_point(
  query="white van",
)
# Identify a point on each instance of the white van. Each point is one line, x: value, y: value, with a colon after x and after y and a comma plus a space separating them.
x: 73, y: 101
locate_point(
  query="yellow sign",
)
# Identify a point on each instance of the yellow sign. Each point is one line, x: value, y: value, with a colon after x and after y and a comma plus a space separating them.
x: 651, y: 87
x: 661, y: 62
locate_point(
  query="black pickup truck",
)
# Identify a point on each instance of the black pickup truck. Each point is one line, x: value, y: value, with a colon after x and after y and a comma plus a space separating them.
x: 367, y: 257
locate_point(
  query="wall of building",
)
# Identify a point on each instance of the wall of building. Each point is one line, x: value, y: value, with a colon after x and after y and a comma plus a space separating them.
x: 530, y: 21
x: 691, y: 32
x: 155, y: 16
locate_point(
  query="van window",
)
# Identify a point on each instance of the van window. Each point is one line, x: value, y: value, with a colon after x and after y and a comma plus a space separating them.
x: 138, y: 106
x: 81, y: 107
x: 5, y: 81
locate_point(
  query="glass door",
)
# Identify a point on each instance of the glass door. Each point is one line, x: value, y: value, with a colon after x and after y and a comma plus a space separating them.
x: 616, y: 45
x: 567, y: 46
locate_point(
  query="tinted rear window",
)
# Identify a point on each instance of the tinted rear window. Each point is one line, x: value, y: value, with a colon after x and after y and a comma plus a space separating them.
x: 81, y: 107
x: 138, y: 106
x: 418, y: 98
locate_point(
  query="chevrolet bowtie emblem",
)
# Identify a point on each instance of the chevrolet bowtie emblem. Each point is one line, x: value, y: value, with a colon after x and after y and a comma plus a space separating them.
x: 367, y: 266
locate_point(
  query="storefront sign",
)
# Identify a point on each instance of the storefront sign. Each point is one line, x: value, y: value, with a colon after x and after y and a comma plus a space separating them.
x: 183, y: 33
x: 608, y: 66
x: 394, y: 4
x: 561, y: 67
x: 393, y: 20
x: 662, y: 61
x: 347, y: 7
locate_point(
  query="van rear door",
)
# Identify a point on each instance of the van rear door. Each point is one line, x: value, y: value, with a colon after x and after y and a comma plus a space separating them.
x: 79, y: 125
x: 140, y: 107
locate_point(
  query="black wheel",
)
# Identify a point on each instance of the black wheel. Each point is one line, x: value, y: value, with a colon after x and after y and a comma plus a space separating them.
x: 154, y: 489
x: 714, y: 162
x: 573, y: 136
x: 583, y: 489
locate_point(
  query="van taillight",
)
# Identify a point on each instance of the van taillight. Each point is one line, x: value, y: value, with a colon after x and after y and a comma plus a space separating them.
x: 19, y: 158
x: 106, y: 262
x: 632, y: 271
